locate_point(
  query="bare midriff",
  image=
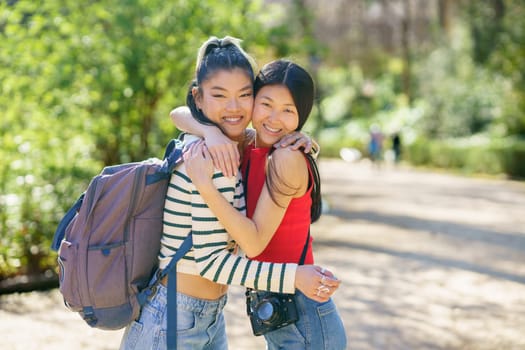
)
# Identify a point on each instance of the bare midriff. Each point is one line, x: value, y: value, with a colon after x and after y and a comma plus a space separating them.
x: 198, y: 287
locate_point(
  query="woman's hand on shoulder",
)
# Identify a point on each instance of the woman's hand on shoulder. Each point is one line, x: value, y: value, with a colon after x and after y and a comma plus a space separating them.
x: 198, y: 163
x: 224, y: 152
x: 295, y: 140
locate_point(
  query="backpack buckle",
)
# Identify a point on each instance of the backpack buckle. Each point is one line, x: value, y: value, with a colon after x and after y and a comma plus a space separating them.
x: 88, y: 315
x: 152, y: 291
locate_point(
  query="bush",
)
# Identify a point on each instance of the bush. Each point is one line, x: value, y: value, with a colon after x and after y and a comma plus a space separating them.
x: 511, y: 153
x: 471, y: 155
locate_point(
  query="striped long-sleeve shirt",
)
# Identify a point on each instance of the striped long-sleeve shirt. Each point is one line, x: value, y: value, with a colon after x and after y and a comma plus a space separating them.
x: 212, y: 255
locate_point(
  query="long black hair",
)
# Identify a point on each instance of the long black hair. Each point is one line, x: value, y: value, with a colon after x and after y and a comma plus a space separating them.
x: 217, y: 54
x: 301, y: 86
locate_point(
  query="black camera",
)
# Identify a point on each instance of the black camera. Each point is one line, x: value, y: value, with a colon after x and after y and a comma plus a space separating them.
x: 270, y: 311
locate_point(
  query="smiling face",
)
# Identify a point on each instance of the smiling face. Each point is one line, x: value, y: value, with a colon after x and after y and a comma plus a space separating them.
x: 274, y: 114
x: 226, y: 98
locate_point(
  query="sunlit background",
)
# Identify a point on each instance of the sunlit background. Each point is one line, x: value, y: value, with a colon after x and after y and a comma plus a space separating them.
x: 84, y: 84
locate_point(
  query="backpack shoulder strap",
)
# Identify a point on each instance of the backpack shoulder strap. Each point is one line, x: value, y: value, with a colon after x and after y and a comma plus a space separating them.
x: 183, y: 249
x: 171, y: 271
x: 61, y: 229
x: 172, y: 157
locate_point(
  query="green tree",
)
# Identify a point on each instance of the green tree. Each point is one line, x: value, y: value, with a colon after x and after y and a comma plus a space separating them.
x: 508, y: 60
x: 498, y: 34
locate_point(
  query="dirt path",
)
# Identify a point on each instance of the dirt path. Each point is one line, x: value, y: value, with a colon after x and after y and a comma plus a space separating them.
x: 429, y: 261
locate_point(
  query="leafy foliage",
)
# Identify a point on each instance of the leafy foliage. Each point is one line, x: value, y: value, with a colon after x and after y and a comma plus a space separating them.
x: 461, y: 98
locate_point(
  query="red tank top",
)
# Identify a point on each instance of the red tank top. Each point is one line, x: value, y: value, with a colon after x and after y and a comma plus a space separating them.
x: 288, y: 242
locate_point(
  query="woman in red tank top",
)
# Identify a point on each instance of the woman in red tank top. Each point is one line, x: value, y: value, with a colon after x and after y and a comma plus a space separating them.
x: 282, y: 188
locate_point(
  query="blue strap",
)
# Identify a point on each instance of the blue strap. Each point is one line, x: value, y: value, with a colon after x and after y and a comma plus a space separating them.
x: 171, y: 333
x: 171, y: 271
x: 61, y: 229
x: 172, y: 157
x: 169, y: 148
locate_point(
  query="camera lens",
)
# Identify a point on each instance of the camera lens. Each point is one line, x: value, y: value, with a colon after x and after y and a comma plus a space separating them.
x: 265, y: 310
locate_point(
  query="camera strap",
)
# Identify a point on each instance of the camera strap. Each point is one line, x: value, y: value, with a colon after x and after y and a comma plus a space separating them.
x: 305, y: 249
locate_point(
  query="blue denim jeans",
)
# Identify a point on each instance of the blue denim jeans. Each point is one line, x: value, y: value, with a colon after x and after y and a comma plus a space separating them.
x: 200, y: 324
x: 319, y: 328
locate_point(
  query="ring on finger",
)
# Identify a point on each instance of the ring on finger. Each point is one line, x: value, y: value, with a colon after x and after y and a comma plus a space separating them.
x: 323, y: 289
x: 323, y: 279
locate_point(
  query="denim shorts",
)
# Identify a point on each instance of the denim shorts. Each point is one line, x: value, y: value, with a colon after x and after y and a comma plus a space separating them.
x: 319, y: 328
x: 200, y: 324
